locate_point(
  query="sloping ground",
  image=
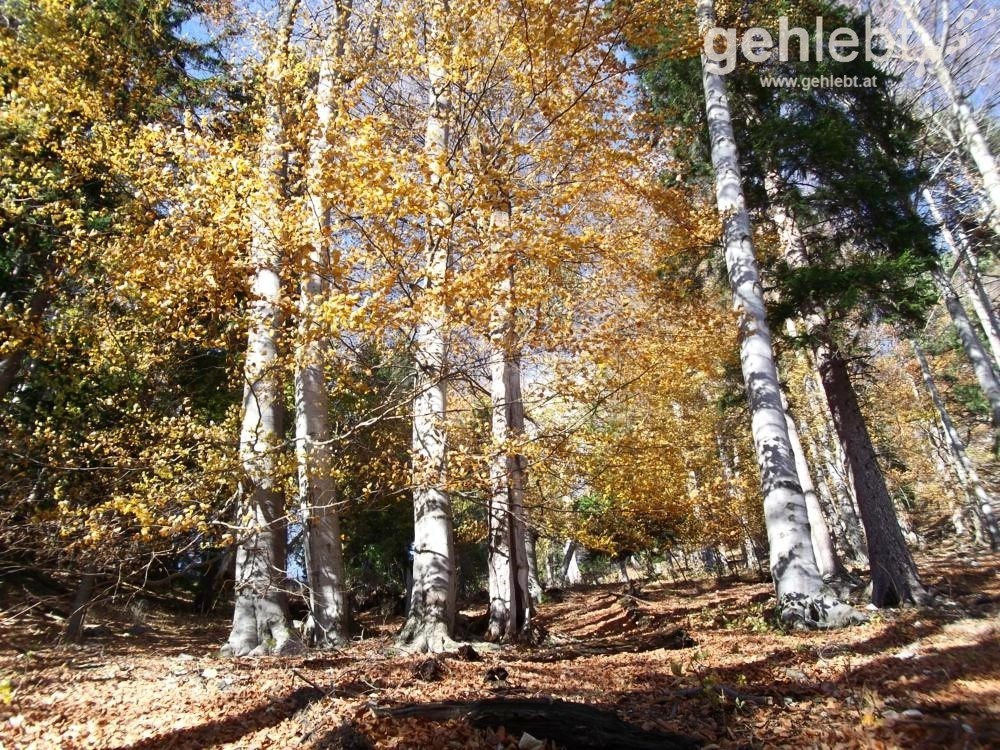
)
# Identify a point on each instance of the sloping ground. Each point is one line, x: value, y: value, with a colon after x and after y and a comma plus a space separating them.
x: 910, y: 679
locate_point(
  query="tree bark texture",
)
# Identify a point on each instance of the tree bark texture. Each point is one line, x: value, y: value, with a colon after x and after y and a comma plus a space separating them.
x: 260, y: 618
x: 894, y: 574
x: 798, y: 583
x: 507, y: 558
x: 826, y: 556
x: 430, y: 622
x: 328, y: 615
x: 837, y: 472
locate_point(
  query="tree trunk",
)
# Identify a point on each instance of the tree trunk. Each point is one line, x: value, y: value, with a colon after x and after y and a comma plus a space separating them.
x: 983, y: 502
x: 826, y: 557
x: 510, y: 600
x: 570, y: 565
x: 11, y: 363
x: 73, y: 633
x: 798, y: 583
x: 837, y: 473
x: 894, y: 574
x: 975, y: 142
x: 980, y: 360
x: 211, y: 581
x: 531, y: 548
x: 328, y: 622
x: 949, y: 468
x: 958, y: 244
x: 430, y: 622
x: 260, y: 619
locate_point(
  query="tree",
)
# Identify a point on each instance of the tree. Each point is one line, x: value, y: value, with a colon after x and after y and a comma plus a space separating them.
x: 972, y: 137
x: 260, y: 617
x: 431, y: 618
x: 797, y: 580
x: 107, y: 398
x: 853, y: 275
x: 317, y: 490
x: 982, y: 503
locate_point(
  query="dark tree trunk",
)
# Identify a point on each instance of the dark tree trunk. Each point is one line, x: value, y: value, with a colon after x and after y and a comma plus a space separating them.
x: 81, y: 602
x: 894, y: 574
x: 211, y: 581
x: 10, y: 365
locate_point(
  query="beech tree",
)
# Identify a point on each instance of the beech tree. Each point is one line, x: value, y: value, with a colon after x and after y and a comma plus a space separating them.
x: 797, y: 579
x: 431, y: 617
x: 317, y: 490
x: 260, y: 618
x: 982, y: 502
x: 936, y: 54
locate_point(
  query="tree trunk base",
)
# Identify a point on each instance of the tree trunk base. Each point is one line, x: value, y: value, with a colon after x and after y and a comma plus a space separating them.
x: 426, y: 638
x: 568, y: 724
x: 817, y: 612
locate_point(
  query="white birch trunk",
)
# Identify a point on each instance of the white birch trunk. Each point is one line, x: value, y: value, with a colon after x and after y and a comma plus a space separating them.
x: 973, y: 138
x: 983, y: 501
x: 798, y: 584
x: 431, y: 618
x: 958, y: 244
x: 982, y: 365
x: 260, y: 620
x: 328, y: 625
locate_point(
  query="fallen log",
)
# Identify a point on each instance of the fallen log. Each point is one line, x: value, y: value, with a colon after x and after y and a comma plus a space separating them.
x: 570, y: 725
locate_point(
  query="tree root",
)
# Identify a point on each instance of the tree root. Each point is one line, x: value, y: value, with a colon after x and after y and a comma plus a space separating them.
x: 817, y: 612
x: 426, y: 638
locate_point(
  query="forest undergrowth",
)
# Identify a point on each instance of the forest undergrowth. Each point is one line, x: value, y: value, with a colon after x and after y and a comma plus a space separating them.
x: 698, y: 658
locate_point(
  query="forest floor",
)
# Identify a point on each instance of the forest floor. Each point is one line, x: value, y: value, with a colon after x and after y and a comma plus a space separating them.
x: 908, y: 679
